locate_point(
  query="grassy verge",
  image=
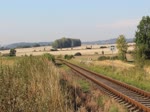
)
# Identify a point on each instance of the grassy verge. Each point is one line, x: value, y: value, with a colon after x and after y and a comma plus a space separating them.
x: 86, y: 97
x: 31, y: 84
x: 133, y: 76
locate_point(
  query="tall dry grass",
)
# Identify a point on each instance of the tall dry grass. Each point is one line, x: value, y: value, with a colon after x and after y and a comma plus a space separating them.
x: 31, y: 85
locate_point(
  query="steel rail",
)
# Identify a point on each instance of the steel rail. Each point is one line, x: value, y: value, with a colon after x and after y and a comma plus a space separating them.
x: 135, y: 89
x: 117, y: 93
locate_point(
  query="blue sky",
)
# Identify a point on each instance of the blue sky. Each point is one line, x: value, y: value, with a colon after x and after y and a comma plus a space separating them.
x: 88, y: 20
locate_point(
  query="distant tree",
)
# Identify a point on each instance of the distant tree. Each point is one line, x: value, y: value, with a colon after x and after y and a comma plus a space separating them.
x: 122, y: 47
x: 66, y: 42
x: 12, y: 52
x: 36, y: 45
x: 3, y: 48
x: 142, y: 39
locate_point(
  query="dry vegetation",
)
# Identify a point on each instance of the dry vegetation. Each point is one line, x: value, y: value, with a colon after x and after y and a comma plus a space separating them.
x: 31, y: 85
x: 46, y: 49
x: 114, y: 63
x: 86, y: 97
x: 7, y: 61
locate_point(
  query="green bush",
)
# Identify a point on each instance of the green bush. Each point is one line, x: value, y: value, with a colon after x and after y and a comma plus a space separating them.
x: 68, y: 57
x: 108, y: 58
x: 77, y: 54
x: 103, y: 58
x: 12, y: 52
x: 101, y: 47
x: 53, y: 49
x: 50, y: 57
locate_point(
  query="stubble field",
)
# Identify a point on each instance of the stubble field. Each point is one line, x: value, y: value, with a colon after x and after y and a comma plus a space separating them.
x: 82, y: 49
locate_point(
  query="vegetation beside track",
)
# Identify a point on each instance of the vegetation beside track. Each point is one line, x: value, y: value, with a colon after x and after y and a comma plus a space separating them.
x: 86, y: 96
x: 30, y: 84
x: 134, y: 75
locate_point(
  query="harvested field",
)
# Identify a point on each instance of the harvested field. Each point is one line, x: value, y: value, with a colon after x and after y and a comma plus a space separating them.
x: 115, y: 63
x: 95, y: 49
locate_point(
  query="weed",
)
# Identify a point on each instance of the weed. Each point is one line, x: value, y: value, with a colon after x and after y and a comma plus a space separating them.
x: 100, y: 101
x: 84, y: 85
x: 113, y: 108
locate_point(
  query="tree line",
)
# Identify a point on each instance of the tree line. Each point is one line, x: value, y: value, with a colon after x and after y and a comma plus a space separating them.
x: 142, y: 40
x: 66, y: 42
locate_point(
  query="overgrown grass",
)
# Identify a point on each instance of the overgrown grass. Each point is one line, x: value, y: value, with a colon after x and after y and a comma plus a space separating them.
x: 31, y: 85
x: 84, y: 85
x: 100, y: 101
x: 109, y: 105
x: 133, y: 76
x: 89, y: 98
x: 113, y: 108
x: 8, y: 60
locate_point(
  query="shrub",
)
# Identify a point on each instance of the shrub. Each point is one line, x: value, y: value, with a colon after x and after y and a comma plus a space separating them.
x: 53, y: 49
x: 50, y: 57
x: 12, y: 52
x: 101, y: 47
x: 68, y: 57
x: 77, y: 54
x: 103, y: 58
x: 88, y: 48
x: 107, y: 58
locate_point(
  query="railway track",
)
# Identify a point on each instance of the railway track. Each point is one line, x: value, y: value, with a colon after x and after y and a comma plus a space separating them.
x: 136, y: 100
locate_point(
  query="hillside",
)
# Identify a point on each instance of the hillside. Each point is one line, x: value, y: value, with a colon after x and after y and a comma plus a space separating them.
x: 109, y: 41
x: 26, y: 44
